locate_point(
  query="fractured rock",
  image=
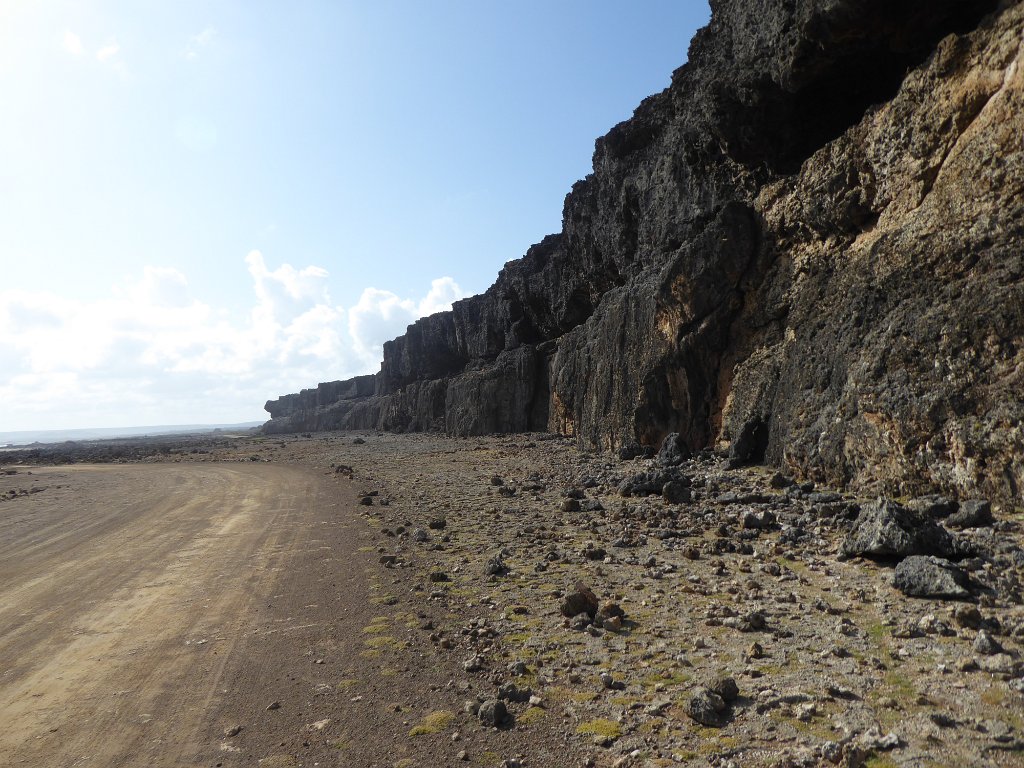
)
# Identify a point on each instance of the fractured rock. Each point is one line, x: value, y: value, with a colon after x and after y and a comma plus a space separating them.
x: 925, y: 576
x: 886, y: 529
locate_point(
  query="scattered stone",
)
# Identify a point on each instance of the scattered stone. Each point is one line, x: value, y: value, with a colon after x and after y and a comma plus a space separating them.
x: 234, y: 730
x: 933, y: 507
x: 437, y: 524
x: 273, y: 705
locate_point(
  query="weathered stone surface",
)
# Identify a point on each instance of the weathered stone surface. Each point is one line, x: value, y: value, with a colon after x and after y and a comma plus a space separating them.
x: 920, y: 576
x: 973, y: 513
x: 887, y: 530
x: 808, y: 247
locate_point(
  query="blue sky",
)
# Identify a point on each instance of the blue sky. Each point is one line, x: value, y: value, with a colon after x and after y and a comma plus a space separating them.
x: 207, y: 204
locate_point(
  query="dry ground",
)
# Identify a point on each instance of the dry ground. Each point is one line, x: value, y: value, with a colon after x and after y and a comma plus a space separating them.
x: 146, y: 608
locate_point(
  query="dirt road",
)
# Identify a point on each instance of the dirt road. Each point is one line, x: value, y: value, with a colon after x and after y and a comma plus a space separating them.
x: 132, y: 598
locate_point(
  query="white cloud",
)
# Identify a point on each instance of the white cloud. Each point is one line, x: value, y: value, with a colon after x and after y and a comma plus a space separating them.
x: 73, y: 43
x: 197, y: 42
x: 381, y: 315
x: 108, y: 51
x: 152, y: 353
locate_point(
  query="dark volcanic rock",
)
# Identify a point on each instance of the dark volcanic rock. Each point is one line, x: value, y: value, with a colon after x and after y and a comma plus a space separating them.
x: 672, y: 452
x: 920, y: 576
x: 973, y: 513
x: 808, y: 246
x: 887, y: 530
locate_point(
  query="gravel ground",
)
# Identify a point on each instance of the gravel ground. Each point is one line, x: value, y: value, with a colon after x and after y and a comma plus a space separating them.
x: 628, y: 613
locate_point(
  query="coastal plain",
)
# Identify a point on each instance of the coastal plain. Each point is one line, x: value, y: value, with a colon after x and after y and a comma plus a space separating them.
x: 371, y: 599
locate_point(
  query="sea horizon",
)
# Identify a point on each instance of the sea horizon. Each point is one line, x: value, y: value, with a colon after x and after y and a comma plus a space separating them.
x: 20, y: 438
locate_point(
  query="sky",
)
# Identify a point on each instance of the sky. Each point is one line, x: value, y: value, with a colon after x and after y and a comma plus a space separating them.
x: 207, y: 204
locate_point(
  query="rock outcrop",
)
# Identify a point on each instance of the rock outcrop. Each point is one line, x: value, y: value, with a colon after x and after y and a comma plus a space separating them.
x: 811, y: 240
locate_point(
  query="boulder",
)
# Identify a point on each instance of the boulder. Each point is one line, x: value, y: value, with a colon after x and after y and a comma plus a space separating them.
x: 974, y: 513
x: 921, y: 576
x: 673, y: 451
x: 885, y: 529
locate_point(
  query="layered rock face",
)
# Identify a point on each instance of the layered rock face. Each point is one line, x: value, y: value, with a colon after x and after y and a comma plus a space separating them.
x: 814, y: 235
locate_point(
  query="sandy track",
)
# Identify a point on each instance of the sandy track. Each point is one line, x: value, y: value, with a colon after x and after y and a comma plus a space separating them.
x: 126, y: 593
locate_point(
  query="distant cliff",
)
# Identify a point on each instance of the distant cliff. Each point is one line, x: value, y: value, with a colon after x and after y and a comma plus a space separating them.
x: 814, y: 237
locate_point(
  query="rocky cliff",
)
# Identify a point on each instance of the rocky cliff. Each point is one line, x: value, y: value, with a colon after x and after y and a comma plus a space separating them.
x: 809, y: 245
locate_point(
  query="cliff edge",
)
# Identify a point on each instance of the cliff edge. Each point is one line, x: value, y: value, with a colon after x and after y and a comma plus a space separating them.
x: 809, y: 247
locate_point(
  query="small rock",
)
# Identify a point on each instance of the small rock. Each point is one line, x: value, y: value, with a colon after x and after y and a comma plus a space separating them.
x: 706, y: 708
x: 967, y: 616
x: 234, y: 730
x: 495, y: 566
x: 512, y: 692
x: 580, y: 600
x: 676, y: 492
x: 985, y: 644
x: 874, y: 739
x: 726, y: 688
x: 492, y: 713
x: 273, y: 705
x: 570, y: 505
x: 437, y: 524
x: 611, y: 613
x: 757, y: 519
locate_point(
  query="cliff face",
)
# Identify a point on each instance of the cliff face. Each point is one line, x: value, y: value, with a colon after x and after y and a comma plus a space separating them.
x: 813, y: 236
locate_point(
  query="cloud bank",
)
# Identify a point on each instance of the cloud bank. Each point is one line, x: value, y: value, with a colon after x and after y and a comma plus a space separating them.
x: 151, y: 353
